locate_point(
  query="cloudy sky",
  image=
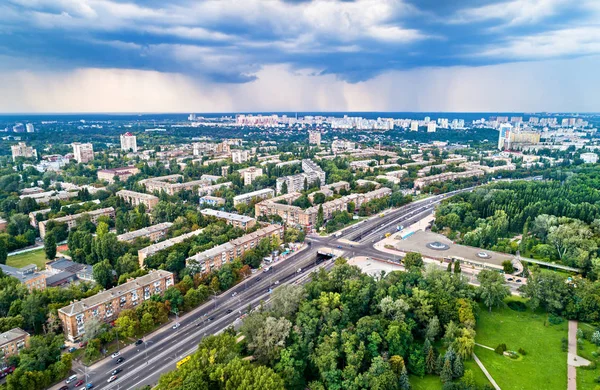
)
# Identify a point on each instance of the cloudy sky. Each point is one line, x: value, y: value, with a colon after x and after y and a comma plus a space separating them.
x: 276, y: 55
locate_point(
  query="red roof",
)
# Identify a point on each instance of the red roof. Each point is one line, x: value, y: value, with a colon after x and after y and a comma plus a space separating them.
x: 128, y: 134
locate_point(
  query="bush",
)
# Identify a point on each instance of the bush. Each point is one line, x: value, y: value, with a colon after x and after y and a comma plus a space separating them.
x: 500, y: 349
x: 517, y: 305
x: 522, y: 351
x: 596, y: 337
x: 597, y: 379
x: 591, y: 366
x: 565, y: 344
x: 512, y: 354
x: 554, y: 319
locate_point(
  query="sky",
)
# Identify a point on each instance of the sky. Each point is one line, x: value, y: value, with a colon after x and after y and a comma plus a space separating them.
x: 299, y: 55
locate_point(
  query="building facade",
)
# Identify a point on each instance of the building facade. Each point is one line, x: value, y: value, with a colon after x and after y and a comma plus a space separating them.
x: 154, y: 233
x: 128, y: 142
x: 237, y: 220
x: 249, y: 174
x: 155, y: 248
x: 83, y: 153
x: 106, y: 305
x: 265, y: 193
x: 71, y: 220
x: 122, y: 173
x: 22, y: 150
x: 12, y: 342
x: 137, y: 198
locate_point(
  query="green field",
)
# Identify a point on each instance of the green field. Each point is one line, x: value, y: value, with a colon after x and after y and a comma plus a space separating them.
x: 585, y: 377
x: 37, y: 257
x: 432, y: 382
x: 545, y: 362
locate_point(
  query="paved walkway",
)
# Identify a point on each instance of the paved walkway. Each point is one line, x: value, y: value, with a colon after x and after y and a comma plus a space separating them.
x: 484, y: 346
x: 573, y: 361
x: 485, y: 371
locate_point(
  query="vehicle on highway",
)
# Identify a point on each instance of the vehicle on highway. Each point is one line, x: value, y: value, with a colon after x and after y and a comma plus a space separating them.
x: 112, y: 379
x: 518, y: 280
x: 138, y: 342
x: 70, y: 379
x: 338, y: 234
x: 382, y: 215
x: 258, y: 278
x: 388, y: 234
x: 211, y: 318
x: 89, y: 386
x: 276, y: 282
x: 79, y: 383
x: 64, y: 388
x: 510, y: 279
x: 116, y: 371
x: 234, y: 294
x: 177, y: 325
x: 339, y: 247
x: 120, y: 360
x: 299, y: 270
x: 267, y: 269
x: 229, y: 311
x: 183, y: 361
x: 114, y: 355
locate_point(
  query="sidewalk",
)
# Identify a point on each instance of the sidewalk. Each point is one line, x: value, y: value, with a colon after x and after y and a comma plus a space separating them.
x: 573, y: 361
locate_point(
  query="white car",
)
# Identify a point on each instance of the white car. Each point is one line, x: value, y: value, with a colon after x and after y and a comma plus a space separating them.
x: 234, y: 294
x: 112, y: 379
x: 177, y: 325
x: 114, y: 355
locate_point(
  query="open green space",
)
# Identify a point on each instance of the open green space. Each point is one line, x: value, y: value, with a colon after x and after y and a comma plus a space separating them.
x: 432, y: 382
x: 37, y: 257
x: 532, y: 332
x: 586, y: 377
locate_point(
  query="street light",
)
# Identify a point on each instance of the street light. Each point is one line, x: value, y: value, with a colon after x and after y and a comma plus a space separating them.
x: 146, y: 349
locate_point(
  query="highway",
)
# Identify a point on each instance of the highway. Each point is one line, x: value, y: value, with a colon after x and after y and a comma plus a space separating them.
x: 161, y: 350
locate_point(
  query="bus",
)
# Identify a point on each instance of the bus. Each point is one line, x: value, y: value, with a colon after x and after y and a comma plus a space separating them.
x: 183, y: 361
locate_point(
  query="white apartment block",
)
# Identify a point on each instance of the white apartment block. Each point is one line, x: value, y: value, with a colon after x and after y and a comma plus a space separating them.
x: 249, y: 174
x: 129, y: 142
x: 314, y: 137
x: 265, y: 193
x: 240, y: 156
x: 83, y: 153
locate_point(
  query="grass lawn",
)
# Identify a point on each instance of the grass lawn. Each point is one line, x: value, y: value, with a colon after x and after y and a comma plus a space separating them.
x: 545, y: 362
x: 37, y: 257
x: 585, y: 378
x: 432, y: 382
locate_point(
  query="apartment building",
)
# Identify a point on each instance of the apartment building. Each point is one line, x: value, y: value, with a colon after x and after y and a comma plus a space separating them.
x: 123, y: 174
x: 22, y: 150
x: 426, y: 170
x: 211, y: 189
x: 295, y: 183
x: 12, y: 342
x: 46, y: 196
x: 137, y: 198
x: 363, y: 165
x: 159, y: 246
x: 27, y: 275
x: 399, y: 173
x: 314, y: 137
x: 128, y: 142
x: 240, y: 221
x: 446, y: 176
x: 213, y: 201
x: 83, y: 153
x: 249, y: 174
x: 71, y: 220
x: 216, y: 257
x: 240, y: 156
x: 265, y: 193
x: 106, y: 305
x: 154, y: 233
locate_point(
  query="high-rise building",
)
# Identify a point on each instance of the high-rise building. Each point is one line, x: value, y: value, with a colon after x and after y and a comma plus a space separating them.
x: 22, y: 150
x: 129, y: 142
x: 83, y: 153
x: 239, y: 156
x: 314, y: 137
x: 249, y: 174
x: 431, y: 127
x: 504, y: 135
x: 18, y: 128
x: 30, y: 128
x: 414, y: 126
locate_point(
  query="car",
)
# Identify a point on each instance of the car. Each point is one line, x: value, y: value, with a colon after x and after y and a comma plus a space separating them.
x: 229, y: 311
x: 89, y: 386
x: 234, y: 294
x: 276, y: 282
x: 258, y: 278
x: 70, y: 379
x: 120, y: 360
x: 83, y: 344
x: 64, y: 388
x: 79, y: 383
x: 518, y: 280
x: 72, y: 349
x: 116, y: 371
x: 112, y: 379
x: 299, y: 270
x: 114, y: 355
x: 177, y: 325
x: 211, y: 318
x: 140, y: 341
x: 510, y: 279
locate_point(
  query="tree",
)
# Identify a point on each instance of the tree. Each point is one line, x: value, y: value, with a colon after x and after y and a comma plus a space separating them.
x: 50, y: 246
x: 393, y: 309
x: 492, y: 288
x: 458, y: 368
x: 127, y: 326
x: 284, y: 188
x: 93, y: 328
x: 507, y: 267
x: 286, y: 299
x: 446, y: 374
x: 457, y: 267
x: 430, y: 360
x: 146, y: 323
x: 3, y: 252
x: 433, y: 329
x: 269, y: 339
x: 403, y: 381
x: 320, y: 218
x: 103, y: 274
x: 413, y: 260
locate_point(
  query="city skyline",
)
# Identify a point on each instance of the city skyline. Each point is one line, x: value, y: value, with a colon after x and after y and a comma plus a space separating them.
x: 113, y: 56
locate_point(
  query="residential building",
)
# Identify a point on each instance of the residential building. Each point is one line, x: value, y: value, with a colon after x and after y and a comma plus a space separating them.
x: 210, y: 178
x: 12, y: 342
x: 447, y: 176
x: 504, y: 136
x: 154, y: 233
x: 220, y: 255
x: 27, y: 275
x: 211, y: 189
x: 362, y: 165
x: 83, y: 153
x: 106, y: 305
x: 249, y: 174
x: 172, y: 184
x: 213, y: 201
x: 311, y: 175
x: 129, y: 142
x: 29, y: 127
x: 47, y: 196
x: 241, y: 221
x: 240, y: 156
x: 62, y: 271
x: 137, y: 198
x: 159, y: 246
x: 399, y: 173
x: 414, y: 126
x: 589, y: 158
x: 431, y: 127
x: 314, y: 137
x: 122, y: 173
x: 265, y: 193
x: 22, y: 150
x: 71, y: 220
x: 340, y: 145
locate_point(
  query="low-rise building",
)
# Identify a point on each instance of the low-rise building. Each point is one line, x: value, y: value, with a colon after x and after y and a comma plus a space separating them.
x: 71, y: 220
x: 62, y: 271
x: 106, y: 305
x: 216, y: 257
x: 137, y: 198
x: 589, y: 158
x: 122, y: 173
x: 242, y: 221
x: 154, y: 233
x: 27, y: 275
x: 211, y: 189
x: 446, y: 176
x: 150, y: 250
x: 265, y: 193
x: 12, y: 342
x: 249, y: 174
x: 213, y: 201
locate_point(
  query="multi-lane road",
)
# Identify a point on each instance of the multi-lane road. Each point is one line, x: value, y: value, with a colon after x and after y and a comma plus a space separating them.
x: 143, y: 364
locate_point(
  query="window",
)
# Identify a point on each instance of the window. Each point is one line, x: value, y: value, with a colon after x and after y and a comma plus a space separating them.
x: 134, y: 296
x: 146, y: 292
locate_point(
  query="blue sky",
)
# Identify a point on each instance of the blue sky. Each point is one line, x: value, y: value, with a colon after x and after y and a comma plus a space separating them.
x: 244, y: 47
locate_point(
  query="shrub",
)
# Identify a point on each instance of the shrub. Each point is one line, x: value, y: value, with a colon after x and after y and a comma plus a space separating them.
x: 579, y: 333
x: 512, y: 354
x: 522, y: 351
x: 554, y: 319
x: 565, y: 344
x: 500, y: 349
x: 595, y: 354
x: 591, y: 366
x: 517, y: 305
x: 596, y: 337
x: 597, y: 379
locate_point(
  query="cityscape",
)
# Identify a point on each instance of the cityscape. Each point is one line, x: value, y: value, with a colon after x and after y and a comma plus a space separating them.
x: 299, y: 195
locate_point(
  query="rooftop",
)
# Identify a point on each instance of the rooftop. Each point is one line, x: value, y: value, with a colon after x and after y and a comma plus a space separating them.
x: 144, y: 231
x: 11, y: 335
x: 228, y: 216
x: 170, y: 242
